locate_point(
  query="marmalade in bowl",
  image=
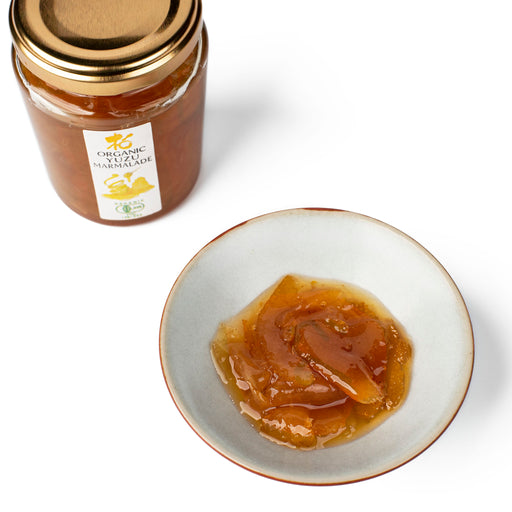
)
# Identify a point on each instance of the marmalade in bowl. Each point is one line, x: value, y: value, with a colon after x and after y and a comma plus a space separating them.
x: 313, y: 363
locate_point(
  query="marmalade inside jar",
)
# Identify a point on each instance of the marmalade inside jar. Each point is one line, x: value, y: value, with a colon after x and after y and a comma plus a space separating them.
x: 174, y: 106
x: 313, y: 363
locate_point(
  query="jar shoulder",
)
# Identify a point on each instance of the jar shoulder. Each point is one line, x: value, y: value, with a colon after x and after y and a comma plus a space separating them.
x: 142, y: 103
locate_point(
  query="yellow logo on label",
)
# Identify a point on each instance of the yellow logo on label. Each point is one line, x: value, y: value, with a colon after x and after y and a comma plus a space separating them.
x: 122, y: 188
x: 119, y: 142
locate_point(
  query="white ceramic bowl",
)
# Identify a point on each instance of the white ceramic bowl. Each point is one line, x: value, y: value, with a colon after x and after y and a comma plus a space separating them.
x: 229, y: 272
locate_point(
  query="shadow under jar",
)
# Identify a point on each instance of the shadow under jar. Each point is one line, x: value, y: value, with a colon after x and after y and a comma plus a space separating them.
x: 115, y: 93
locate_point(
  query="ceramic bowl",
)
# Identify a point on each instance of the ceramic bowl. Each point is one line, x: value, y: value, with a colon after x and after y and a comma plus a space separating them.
x: 229, y: 272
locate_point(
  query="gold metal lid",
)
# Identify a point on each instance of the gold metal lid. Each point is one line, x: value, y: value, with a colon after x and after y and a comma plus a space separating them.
x: 104, y: 47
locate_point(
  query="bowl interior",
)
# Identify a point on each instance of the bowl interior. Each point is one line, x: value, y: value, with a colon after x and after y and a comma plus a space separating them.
x: 232, y: 270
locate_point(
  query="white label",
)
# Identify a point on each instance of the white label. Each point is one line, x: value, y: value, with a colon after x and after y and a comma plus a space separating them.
x: 124, y: 174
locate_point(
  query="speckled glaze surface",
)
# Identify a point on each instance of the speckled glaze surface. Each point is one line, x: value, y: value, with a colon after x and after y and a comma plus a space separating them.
x: 229, y: 272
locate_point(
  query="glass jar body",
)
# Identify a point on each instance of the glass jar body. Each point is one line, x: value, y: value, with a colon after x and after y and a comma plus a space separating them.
x: 90, y: 148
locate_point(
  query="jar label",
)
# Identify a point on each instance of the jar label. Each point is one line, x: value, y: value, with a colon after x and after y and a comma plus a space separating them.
x: 124, y: 173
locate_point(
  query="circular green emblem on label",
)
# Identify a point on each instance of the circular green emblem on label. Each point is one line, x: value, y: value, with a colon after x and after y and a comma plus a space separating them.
x: 130, y: 208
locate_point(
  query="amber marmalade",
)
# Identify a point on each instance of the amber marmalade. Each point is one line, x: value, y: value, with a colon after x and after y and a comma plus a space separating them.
x: 313, y: 363
x: 116, y: 96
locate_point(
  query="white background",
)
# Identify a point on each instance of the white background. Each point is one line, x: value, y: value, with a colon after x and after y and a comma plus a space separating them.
x: 401, y: 110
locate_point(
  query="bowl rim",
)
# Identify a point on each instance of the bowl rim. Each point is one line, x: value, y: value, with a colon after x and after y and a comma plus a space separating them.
x: 371, y: 475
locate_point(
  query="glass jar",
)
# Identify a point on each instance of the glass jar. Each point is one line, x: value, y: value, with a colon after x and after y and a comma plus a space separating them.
x: 115, y: 92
